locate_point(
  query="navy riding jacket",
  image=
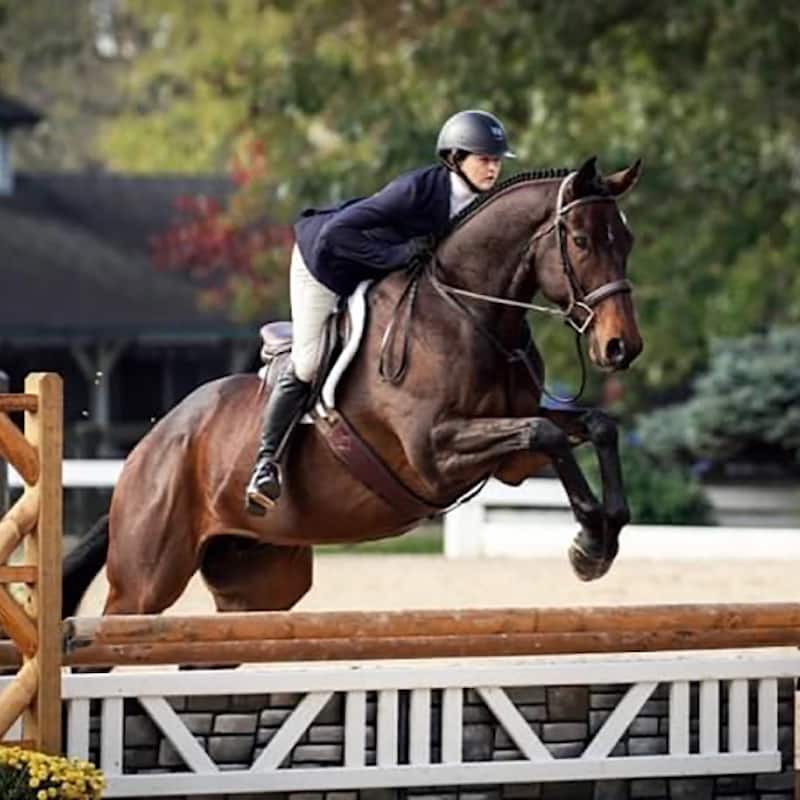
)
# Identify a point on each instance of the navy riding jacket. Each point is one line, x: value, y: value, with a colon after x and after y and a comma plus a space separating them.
x: 368, y: 237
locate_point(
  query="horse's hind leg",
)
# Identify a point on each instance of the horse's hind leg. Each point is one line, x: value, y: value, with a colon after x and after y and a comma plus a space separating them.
x: 246, y: 575
x: 152, y: 547
x: 139, y: 584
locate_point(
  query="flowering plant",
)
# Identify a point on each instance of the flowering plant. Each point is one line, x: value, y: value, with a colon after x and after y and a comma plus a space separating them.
x: 27, y: 775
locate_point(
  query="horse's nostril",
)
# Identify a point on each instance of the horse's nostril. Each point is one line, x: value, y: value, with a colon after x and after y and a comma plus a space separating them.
x: 615, y: 352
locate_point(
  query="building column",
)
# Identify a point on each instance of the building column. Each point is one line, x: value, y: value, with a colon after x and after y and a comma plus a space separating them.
x: 97, y: 363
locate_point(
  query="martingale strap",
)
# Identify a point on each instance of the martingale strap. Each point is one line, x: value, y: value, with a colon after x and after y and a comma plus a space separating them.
x: 364, y: 464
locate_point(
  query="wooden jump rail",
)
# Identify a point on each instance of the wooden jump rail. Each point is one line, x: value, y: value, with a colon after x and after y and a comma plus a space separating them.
x: 19, y: 402
x: 32, y: 617
x: 330, y: 636
x: 298, y: 636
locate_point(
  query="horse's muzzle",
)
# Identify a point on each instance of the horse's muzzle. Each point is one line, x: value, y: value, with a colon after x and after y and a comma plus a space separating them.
x: 619, y: 352
x: 615, y: 353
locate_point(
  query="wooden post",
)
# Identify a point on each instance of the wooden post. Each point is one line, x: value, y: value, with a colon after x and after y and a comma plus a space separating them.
x: 42, y: 722
x: 796, y: 732
x: 34, y: 622
x: 4, y: 497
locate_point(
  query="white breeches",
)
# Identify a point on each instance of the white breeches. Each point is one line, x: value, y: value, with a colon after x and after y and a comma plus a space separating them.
x: 311, y: 304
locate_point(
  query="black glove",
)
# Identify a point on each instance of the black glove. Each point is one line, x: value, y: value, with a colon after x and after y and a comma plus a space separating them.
x: 420, y: 250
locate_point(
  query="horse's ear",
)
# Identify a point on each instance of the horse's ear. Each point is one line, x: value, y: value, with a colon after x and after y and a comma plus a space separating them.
x: 586, y: 177
x: 625, y: 180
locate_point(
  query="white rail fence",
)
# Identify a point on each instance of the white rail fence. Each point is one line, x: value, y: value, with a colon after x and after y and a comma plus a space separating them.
x: 534, y: 521
x: 82, y: 473
x: 737, y: 729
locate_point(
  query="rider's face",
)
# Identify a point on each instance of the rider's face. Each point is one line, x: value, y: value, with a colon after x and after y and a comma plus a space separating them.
x: 482, y: 171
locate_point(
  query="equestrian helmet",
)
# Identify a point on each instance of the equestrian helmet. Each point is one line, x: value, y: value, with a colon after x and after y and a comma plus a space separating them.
x: 474, y: 132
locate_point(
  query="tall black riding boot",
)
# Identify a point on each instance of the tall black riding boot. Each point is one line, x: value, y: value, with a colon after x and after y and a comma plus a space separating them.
x: 283, y: 411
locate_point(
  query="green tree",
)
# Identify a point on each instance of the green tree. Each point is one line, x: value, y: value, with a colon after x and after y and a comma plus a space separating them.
x: 61, y: 59
x: 345, y: 95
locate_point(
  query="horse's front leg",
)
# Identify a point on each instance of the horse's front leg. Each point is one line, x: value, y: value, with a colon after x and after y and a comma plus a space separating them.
x: 462, y: 445
x: 600, y: 429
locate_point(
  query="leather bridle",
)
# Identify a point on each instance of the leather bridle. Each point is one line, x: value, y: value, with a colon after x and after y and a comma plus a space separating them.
x: 578, y: 300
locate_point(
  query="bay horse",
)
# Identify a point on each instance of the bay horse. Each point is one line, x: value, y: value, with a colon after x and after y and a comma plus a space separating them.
x: 465, y: 407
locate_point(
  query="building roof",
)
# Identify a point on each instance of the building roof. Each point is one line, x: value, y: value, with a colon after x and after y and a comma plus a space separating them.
x: 75, y: 259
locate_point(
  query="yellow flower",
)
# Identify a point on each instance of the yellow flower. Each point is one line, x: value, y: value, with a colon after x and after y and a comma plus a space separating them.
x: 54, y: 777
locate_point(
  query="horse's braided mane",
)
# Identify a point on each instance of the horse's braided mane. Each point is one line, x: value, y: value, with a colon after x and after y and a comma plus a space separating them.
x: 522, y: 177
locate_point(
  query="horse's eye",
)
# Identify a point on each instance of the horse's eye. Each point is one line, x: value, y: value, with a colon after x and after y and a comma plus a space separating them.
x: 581, y: 241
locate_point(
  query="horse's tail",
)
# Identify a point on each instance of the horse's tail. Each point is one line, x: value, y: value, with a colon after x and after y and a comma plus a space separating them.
x: 82, y: 564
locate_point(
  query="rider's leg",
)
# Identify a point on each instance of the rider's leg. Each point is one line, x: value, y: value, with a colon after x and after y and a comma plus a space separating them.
x: 284, y: 408
x: 311, y: 304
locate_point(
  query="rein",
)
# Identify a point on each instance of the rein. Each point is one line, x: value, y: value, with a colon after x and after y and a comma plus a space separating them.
x: 408, y: 297
x: 518, y: 353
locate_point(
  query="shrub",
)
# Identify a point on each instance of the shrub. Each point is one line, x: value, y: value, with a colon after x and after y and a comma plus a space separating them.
x: 745, y: 408
x: 27, y: 775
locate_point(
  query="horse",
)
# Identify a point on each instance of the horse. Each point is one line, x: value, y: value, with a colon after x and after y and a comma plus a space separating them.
x: 464, y: 405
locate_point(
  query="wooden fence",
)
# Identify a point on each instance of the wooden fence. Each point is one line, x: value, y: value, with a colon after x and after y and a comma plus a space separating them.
x: 297, y: 636
x: 31, y: 615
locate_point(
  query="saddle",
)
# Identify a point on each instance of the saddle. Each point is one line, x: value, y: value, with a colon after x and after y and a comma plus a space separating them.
x: 342, y: 336
x: 276, y: 347
x: 344, y: 331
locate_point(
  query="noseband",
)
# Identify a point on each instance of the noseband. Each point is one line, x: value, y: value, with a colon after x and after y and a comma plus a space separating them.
x: 579, y: 301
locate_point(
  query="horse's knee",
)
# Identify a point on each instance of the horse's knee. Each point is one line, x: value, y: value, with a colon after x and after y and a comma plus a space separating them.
x: 295, y: 579
x: 547, y: 436
x: 602, y: 429
x: 246, y: 575
x: 144, y: 599
x: 294, y: 592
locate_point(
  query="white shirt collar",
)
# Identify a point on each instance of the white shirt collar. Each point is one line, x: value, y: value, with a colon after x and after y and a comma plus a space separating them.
x: 460, y: 194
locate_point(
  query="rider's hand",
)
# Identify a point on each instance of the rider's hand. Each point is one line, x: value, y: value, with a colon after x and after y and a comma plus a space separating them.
x: 420, y: 250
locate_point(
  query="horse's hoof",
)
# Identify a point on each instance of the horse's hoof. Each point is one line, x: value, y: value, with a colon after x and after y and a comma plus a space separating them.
x: 586, y: 566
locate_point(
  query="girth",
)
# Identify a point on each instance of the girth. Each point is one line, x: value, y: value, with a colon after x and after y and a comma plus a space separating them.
x: 366, y: 465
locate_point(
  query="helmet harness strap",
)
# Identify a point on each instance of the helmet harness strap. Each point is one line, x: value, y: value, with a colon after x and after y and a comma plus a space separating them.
x: 455, y: 166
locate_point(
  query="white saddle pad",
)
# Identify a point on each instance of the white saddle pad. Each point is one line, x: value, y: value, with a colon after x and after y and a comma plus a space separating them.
x: 357, y: 315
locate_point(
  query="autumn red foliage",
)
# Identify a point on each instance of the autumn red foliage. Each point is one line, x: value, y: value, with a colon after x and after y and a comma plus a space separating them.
x: 222, y: 246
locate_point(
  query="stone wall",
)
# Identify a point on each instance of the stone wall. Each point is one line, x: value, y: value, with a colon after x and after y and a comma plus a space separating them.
x: 234, y: 730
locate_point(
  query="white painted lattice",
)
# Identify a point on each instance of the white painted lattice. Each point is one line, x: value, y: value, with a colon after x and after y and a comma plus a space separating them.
x: 436, y: 763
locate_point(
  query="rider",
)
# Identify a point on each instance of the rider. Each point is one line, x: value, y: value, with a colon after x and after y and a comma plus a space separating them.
x: 337, y: 248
